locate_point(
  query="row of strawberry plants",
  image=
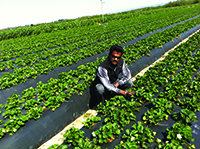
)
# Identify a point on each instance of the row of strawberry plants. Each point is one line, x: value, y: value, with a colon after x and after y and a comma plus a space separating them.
x: 38, y: 39
x: 26, y: 31
x: 8, y: 54
x: 9, y: 79
x: 32, y: 58
x: 134, y: 140
x: 54, y: 93
x: 43, y: 70
x: 163, y: 107
x: 138, y: 135
x: 181, y: 132
x: 66, y: 48
x: 111, y: 107
x: 156, y: 41
x: 46, y: 96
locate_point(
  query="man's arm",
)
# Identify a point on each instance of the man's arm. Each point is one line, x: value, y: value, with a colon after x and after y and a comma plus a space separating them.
x: 126, y: 75
x: 102, y: 74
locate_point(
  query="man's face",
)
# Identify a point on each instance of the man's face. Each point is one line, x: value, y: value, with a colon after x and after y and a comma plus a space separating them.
x: 115, y: 57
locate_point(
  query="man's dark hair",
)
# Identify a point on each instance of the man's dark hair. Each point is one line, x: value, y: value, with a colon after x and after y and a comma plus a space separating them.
x: 116, y: 48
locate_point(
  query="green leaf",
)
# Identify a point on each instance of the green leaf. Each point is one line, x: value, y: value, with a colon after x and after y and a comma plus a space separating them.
x: 118, y: 131
x: 169, y: 137
x: 81, y: 142
x: 101, y: 141
x: 128, y: 131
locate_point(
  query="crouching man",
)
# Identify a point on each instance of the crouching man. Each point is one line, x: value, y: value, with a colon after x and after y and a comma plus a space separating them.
x: 113, y: 76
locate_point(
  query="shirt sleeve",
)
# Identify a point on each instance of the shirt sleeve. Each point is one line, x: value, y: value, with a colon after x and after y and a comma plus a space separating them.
x: 126, y: 75
x: 103, y: 76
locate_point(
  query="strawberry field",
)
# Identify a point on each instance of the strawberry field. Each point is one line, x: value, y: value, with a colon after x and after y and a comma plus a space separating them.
x: 46, y: 71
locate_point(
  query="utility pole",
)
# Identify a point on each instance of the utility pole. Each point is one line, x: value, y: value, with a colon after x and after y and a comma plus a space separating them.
x: 102, y: 9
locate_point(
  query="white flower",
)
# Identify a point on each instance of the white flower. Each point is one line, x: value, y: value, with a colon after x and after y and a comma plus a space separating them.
x: 93, y: 134
x: 179, y: 136
x: 132, y: 138
x: 115, y: 103
x: 14, y: 130
x: 3, y: 130
x: 167, y: 142
x: 159, y: 146
x: 11, y: 120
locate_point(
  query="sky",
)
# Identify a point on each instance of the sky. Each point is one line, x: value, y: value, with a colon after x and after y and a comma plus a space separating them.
x: 15, y: 13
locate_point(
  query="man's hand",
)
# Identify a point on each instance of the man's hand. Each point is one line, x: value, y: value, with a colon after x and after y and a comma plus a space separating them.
x: 116, y: 84
x: 129, y: 93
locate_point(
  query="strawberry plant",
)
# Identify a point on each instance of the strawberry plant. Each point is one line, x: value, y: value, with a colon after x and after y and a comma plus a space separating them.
x: 86, y: 144
x: 29, y: 104
x: 186, y: 116
x: 28, y: 94
x: 106, y: 133
x: 1, y: 121
x: 12, y: 112
x: 73, y: 136
x: 118, y: 110
x: 153, y: 116
x: 10, y: 64
x: 125, y: 145
x: 19, y: 62
x: 2, y: 66
x: 179, y: 134
x: 12, y: 106
x: 160, y: 112
x: 190, y: 103
x: 35, y: 112
x: 166, y: 145
x: 15, y: 123
x: 56, y: 146
x: 91, y: 121
x: 54, y: 102
x: 164, y: 104
x: 139, y: 135
x: 2, y: 132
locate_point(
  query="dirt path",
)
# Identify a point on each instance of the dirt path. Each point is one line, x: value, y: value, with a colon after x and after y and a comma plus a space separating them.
x: 58, y: 139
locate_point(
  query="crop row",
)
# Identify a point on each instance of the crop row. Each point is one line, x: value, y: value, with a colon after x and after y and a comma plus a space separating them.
x: 56, y: 91
x: 59, y: 26
x: 52, y: 27
x: 99, y: 33
x: 174, y: 74
x: 81, y: 33
x: 33, y: 58
x: 140, y: 48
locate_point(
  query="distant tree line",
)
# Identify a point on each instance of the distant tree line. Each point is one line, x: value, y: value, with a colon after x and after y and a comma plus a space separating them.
x: 170, y: 4
x: 181, y: 3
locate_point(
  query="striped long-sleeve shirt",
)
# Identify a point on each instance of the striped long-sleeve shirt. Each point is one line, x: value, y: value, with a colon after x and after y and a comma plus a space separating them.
x: 103, y: 76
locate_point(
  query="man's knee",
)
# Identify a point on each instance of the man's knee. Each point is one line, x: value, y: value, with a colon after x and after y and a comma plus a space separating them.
x: 100, y: 88
x: 129, y: 84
